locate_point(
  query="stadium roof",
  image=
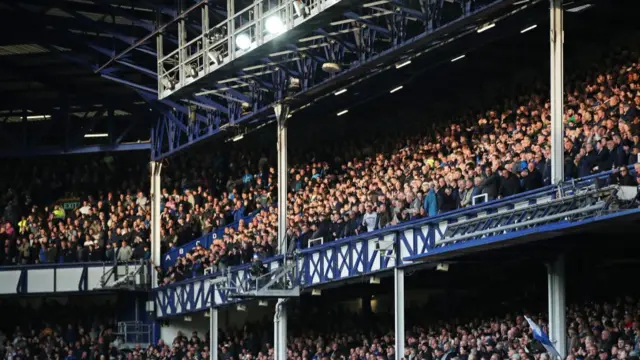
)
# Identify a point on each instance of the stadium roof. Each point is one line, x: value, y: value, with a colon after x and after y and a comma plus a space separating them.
x: 51, y: 96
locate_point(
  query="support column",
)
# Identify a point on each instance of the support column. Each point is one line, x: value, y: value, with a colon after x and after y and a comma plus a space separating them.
x: 557, y: 306
x: 398, y: 275
x: 557, y: 92
x: 156, y: 192
x: 231, y: 29
x: 205, y: 32
x: 213, y: 333
x: 160, y: 54
x: 280, y: 319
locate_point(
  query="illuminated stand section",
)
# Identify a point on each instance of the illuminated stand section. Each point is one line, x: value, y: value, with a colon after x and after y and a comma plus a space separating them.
x: 214, y: 63
x: 237, y: 42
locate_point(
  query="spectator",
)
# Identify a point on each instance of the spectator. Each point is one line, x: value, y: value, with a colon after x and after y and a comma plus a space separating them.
x: 124, y: 253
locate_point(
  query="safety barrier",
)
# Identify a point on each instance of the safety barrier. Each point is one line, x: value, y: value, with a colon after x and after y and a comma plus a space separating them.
x: 549, y: 208
x: 170, y: 257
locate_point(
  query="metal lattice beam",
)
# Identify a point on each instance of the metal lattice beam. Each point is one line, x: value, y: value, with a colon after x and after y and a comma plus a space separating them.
x: 360, y: 43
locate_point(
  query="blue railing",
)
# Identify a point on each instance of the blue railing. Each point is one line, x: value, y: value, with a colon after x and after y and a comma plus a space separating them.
x: 451, y: 216
x: 170, y: 257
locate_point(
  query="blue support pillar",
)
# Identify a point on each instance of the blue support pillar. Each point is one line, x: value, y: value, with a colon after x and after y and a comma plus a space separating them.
x: 557, y: 305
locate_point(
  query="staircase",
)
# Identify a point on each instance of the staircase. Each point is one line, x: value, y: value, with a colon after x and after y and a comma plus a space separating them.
x: 569, y: 204
x: 281, y: 282
x: 132, y: 276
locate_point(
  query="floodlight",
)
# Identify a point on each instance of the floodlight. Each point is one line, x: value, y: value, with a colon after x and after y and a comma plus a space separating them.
x: 340, y: 92
x: 243, y: 41
x: 528, y: 29
x: 294, y: 83
x: 331, y: 67
x: 395, y: 89
x: 343, y: 112
x: 458, y: 58
x: 300, y: 8
x: 274, y: 25
x: 215, y: 57
x: 193, y: 70
x: 96, y: 135
x: 168, y: 83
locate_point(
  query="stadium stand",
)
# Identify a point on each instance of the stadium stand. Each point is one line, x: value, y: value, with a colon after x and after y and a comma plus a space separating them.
x: 603, y: 326
x: 209, y: 224
x: 502, y: 152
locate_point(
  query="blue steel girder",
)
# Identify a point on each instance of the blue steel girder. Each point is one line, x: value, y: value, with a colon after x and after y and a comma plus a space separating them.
x: 397, y: 23
x: 103, y: 26
x: 63, y: 133
x: 432, y: 10
x: 365, y: 40
x: 350, y: 46
x: 307, y: 67
x: 371, y: 56
x: 173, y: 130
x: 115, y: 10
x: 151, y: 97
x: 81, y: 19
x: 407, y: 10
x: 307, y: 53
x: 352, y: 15
x: 281, y: 65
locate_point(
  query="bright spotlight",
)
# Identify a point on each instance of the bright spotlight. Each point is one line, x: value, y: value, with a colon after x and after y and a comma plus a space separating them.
x: 403, y: 64
x: 396, y: 89
x: 486, y: 27
x: 96, y: 135
x: 343, y: 112
x: 458, y: 58
x: 274, y: 25
x: 215, y: 57
x: 340, y: 92
x: 243, y: 41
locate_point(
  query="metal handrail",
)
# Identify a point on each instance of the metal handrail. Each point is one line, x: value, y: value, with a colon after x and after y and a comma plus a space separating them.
x: 455, y: 214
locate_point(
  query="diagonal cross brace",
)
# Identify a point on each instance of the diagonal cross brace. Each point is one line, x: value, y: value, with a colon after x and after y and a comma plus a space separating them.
x: 356, y: 17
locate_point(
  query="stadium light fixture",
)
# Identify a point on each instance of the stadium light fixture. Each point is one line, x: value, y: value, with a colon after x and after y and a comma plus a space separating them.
x: 274, y: 25
x: 243, y: 42
x: 395, y: 89
x: 528, y: 29
x: 458, y: 58
x: 340, y: 92
x: 579, y: 8
x: 96, y: 135
x: 486, y: 27
x: 343, y: 112
x: 38, y: 117
x: 193, y: 70
x: 168, y: 83
x: 215, y: 57
x: 403, y: 64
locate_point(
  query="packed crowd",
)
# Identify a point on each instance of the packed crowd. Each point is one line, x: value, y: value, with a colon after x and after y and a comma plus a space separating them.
x: 496, y: 154
x: 596, y: 331
x: 107, y: 216
x: 500, y: 153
